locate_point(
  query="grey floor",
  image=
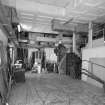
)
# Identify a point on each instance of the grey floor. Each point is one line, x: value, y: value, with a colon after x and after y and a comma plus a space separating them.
x: 54, y: 89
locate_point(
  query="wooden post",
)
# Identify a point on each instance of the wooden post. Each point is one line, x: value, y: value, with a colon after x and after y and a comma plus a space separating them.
x: 74, y: 42
x: 90, y: 35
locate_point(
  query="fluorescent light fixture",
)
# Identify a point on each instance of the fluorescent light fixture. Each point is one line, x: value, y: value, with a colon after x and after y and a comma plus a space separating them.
x: 27, y: 14
x: 23, y: 40
x: 26, y: 17
x: 26, y: 27
x: 19, y: 28
x: 42, y: 16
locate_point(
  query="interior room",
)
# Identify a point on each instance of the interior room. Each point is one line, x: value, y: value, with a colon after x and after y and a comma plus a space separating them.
x: 52, y: 52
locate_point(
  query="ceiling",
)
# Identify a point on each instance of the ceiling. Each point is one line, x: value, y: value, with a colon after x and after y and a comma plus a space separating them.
x: 37, y: 15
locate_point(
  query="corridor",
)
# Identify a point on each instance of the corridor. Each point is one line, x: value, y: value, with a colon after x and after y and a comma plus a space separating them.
x: 54, y: 89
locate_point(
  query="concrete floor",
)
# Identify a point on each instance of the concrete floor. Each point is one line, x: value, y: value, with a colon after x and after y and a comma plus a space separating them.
x: 53, y: 89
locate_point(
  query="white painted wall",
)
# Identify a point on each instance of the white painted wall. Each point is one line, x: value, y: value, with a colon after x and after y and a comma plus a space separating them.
x: 93, y: 52
x: 98, y: 42
x: 97, y: 51
x: 87, y: 54
x: 97, y: 70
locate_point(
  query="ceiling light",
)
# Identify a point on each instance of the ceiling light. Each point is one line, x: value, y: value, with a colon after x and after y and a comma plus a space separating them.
x: 26, y: 27
x: 23, y: 40
x: 23, y: 17
x: 45, y: 17
x: 19, y: 28
x: 27, y: 14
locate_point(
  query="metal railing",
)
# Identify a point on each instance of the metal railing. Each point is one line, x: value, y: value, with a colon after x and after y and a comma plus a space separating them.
x: 91, y: 74
x: 93, y: 63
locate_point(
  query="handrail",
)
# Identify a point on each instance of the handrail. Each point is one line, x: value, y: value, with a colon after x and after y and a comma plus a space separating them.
x: 93, y: 63
x: 89, y: 74
x: 92, y: 76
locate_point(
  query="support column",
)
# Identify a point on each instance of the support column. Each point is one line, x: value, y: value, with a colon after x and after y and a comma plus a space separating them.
x: 74, y: 42
x: 60, y: 36
x: 90, y: 35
